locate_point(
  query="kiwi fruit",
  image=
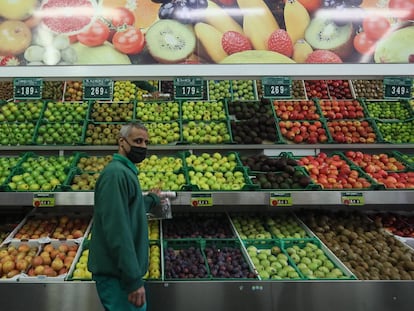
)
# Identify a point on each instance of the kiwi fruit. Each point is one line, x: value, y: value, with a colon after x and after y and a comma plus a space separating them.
x: 169, y: 41
x: 324, y: 34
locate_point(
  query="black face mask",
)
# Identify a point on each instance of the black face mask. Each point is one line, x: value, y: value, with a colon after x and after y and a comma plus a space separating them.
x: 136, y: 154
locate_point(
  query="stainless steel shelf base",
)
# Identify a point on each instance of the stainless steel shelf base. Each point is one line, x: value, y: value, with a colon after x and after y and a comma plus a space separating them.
x: 226, y: 295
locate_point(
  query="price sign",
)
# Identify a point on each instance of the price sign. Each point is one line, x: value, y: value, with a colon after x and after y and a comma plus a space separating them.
x: 98, y: 89
x: 27, y: 88
x: 281, y: 199
x: 43, y: 200
x: 352, y: 198
x: 188, y: 88
x: 277, y: 87
x: 397, y: 88
x: 201, y: 200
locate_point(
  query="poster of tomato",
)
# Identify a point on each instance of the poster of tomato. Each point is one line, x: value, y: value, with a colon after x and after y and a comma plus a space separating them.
x: 122, y: 32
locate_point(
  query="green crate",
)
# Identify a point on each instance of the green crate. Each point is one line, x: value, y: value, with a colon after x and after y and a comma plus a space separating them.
x: 101, y: 133
x: 21, y: 111
x: 200, y: 132
x: 285, y: 226
x: 316, y: 257
x: 17, y: 133
x: 250, y: 226
x: 155, y: 266
x: 7, y: 171
x: 219, y: 89
x: 166, y: 181
x: 57, y: 133
x: 58, y: 111
x: 157, y: 111
x: 179, y: 266
x: 212, y: 162
x: 203, y: 110
x: 163, y: 163
x: 219, y: 181
x: 389, y: 130
x: 408, y: 111
x: 293, y: 112
x: 389, y: 154
x: 164, y: 133
x: 100, y: 111
x: 271, y: 261
x: 86, y: 163
x: 243, y: 90
x: 75, y: 267
x: 407, y: 159
x: 359, y: 112
x: 370, y: 138
x: 290, y: 132
x: 228, y: 253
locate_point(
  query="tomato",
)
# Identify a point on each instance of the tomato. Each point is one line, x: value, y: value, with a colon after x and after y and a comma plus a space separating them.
x: 121, y: 17
x: 363, y: 44
x: 404, y: 9
x: 375, y: 26
x: 129, y: 41
x: 311, y: 5
x: 94, y: 35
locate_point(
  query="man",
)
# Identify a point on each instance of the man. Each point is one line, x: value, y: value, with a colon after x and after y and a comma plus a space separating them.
x: 118, y: 251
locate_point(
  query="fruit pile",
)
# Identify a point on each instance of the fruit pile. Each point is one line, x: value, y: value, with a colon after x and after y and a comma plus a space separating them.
x: 339, y: 89
x: 73, y: 91
x: 296, y: 110
x: 16, y: 259
x: 219, y: 89
x: 271, y: 262
x: 153, y: 230
x: 28, y: 111
x: 184, y: 261
x: 364, y: 248
x: 226, y: 260
x: 250, y: 227
x: 81, y: 272
x: 112, y: 112
x: 284, y: 226
x: 17, y: 133
x: 369, y: 89
x: 342, y: 109
x: 65, y: 112
x: 204, y: 226
x: 316, y: 89
x: 165, y: 180
x: 6, y: 166
x: 41, y: 173
x: 409, y: 158
x: 298, y: 89
x: 397, y: 110
x: 71, y: 227
x: 53, y: 90
x: 157, y: 111
x: 102, y: 133
x: 203, y: 110
x: 352, y: 131
x: 219, y: 181
x: 6, y: 90
x: 312, y: 262
x: 401, y: 225
x: 83, y: 181
x: 155, y: 163
x: 55, y: 259
x: 93, y: 164
x: 154, y: 268
x: 255, y: 122
x: 35, y: 228
x: 59, y: 133
x: 212, y: 162
x: 124, y: 91
x: 243, y: 90
x: 333, y: 172
x: 200, y: 132
x: 397, y: 132
x: 310, y: 132
x: 163, y: 133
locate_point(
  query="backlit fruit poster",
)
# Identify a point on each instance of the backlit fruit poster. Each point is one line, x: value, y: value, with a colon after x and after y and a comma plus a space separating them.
x: 117, y: 32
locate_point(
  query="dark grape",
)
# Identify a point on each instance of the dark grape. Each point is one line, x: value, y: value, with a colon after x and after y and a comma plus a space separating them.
x: 192, y: 3
x: 354, y: 3
x: 166, y: 10
x: 160, y: 1
x: 185, y: 11
x: 202, y: 4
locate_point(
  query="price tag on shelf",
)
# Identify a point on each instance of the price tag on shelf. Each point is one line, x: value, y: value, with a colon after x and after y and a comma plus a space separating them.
x: 27, y: 88
x: 352, y: 198
x: 201, y: 200
x: 98, y: 89
x: 43, y: 200
x: 277, y: 87
x: 188, y: 88
x: 395, y: 88
x: 282, y: 199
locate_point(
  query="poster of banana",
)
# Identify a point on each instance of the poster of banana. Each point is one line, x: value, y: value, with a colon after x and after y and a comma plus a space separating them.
x: 118, y: 32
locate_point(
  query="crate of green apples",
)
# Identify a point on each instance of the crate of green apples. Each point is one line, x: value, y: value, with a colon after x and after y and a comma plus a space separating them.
x: 65, y: 111
x: 157, y: 111
x: 17, y: 133
x: 219, y: 89
x: 395, y: 132
x: 59, y: 133
x: 243, y: 90
x: 7, y: 165
x: 270, y: 260
x: 213, y: 162
x: 201, y: 132
x: 162, y: 163
x: 111, y: 112
x: 164, y: 133
x: 102, y: 133
x: 389, y: 110
x: 23, y: 111
x: 164, y: 180
x: 193, y: 110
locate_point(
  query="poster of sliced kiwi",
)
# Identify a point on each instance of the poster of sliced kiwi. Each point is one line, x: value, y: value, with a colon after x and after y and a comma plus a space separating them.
x: 125, y: 32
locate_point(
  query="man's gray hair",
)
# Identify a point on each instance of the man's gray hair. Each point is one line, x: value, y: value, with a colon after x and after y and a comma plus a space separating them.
x: 126, y: 128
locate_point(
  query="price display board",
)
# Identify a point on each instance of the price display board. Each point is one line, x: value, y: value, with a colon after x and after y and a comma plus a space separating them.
x: 27, y: 88
x: 98, y: 89
x: 281, y: 199
x: 352, y: 198
x: 43, y: 200
x: 395, y: 88
x: 277, y: 87
x: 188, y: 88
x: 201, y: 200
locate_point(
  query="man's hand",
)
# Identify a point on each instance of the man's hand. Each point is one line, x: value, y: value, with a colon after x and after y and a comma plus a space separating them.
x: 137, y: 298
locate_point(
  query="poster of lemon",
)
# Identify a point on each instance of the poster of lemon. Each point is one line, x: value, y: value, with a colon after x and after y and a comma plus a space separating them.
x: 123, y: 32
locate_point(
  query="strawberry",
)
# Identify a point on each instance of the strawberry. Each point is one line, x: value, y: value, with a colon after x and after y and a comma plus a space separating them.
x: 233, y: 42
x: 9, y: 60
x: 279, y: 41
x: 323, y: 56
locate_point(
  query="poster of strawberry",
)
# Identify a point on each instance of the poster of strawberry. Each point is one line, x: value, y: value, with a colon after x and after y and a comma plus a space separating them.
x: 123, y: 32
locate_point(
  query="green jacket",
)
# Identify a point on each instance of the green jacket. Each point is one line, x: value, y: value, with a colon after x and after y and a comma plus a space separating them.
x: 119, y: 241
